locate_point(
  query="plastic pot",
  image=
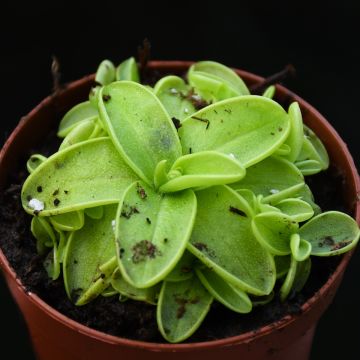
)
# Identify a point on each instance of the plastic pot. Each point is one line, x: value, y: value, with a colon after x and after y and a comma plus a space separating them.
x: 57, y: 337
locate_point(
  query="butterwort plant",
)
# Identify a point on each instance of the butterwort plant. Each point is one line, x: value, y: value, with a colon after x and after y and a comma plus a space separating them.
x: 182, y: 194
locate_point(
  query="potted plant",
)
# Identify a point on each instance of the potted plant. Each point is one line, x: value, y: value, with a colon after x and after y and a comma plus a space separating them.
x: 177, y: 195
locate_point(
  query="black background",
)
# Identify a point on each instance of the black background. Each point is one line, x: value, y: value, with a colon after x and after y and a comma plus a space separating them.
x: 321, y: 40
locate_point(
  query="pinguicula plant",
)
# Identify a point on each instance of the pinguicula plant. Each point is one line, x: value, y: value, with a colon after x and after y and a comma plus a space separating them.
x: 182, y: 194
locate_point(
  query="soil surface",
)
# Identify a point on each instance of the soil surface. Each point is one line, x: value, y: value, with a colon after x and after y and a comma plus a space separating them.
x: 136, y: 320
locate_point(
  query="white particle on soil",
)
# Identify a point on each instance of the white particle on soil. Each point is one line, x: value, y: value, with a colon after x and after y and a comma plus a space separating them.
x: 196, y: 97
x: 36, y: 204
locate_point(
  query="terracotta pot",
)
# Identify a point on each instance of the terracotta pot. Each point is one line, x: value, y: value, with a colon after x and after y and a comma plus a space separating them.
x: 57, y: 337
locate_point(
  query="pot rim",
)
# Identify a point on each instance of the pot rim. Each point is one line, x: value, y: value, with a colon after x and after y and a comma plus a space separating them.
x: 245, y: 337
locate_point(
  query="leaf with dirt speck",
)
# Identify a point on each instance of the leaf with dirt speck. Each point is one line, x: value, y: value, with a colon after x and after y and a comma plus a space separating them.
x: 182, y: 306
x: 147, y: 258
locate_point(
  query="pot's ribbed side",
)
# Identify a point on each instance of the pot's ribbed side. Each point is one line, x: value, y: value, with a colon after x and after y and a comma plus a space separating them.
x: 57, y: 337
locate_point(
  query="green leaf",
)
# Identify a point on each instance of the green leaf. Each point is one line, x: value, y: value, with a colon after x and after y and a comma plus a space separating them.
x: 305, y: 194
x: 148, y: 295
x: 249, y: 127
x: 216, y: 81
x: 274, y: 178
x: 88, y: 249
x: 52, y: 263
x: 313, y: 149
x: 95, y: 213
x: 309, y: 167
x: 273, y: 231
x: 262, y: 300
x: 182, y: 307
x: 297, y: 209
x: 105, y: 73
x: 35, y: 161
x: 173, y: 92
x: 128, y: 70
x: 73, y: 179
x: 300, y: 249
x: 70, y: 221
x: 227, y: 294
x: 330, y: 233
x: 269, y: 92
x: 183, y: 269
x: 84, y: 131
x: 151, y: 232
x: 223, y: 240
x: 251, y: 199
x: 43, y: 233
x: 284, y: 149
x: 160, y: 174
x: 109, y: 291
x: 296, y: 136
x: 136, y: 120
x: 205, y: 168
x: 81, y: 112
x: 282, y: 264
x: 296, y: 278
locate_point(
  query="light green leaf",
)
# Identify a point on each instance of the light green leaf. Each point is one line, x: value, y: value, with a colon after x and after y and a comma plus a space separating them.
x: 182, y: 307
x: 183, y: 269
x: 273, y: 231
x: 313, y: 149
x: 63, y: 238
x: 300, y: 249
x: 73, y: 179
x: 227, y: 294
x: 148, y: 295
x: 81, y: 112
x: 305, y: 194
x: 251, y: 199
x: 173, y: 94
x: 262, y: 300
x: 109, y: 291
x: 249, y: 127
x: 151, y: 232
x: 274, y: 178
x: 35, y: 161
x: 205, y: 168
x: 79, y: 133
x: 160, y: 174
x: 309, y: 167
x: 330, y: 233
x: 70, y: 221
x: 296, y: 136
x: 94, y: 96
x: 296, y: 278
x: 95, y: 213
x: 223, y: 240
x: 297, y: 209
x: 282, y: 264
x: 136, y: 120
x: 88, y: 249
x: 128, y: 70
x: 52, y: 263
x: 284, y: 149
x: 43, y: 233
x: 105, y: 73
x: 216, y: 81
x: 269, y: 92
